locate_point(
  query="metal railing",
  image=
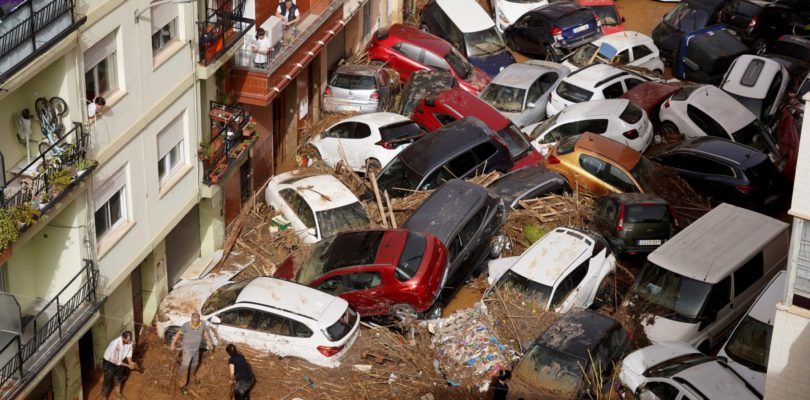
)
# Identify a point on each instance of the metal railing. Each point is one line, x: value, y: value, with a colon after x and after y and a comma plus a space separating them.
x: 222, y: 28
x: 58, y: 317
x: 229, y: 127
x: 35, y: 179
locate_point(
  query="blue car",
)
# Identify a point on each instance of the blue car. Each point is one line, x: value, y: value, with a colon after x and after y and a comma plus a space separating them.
x: 467, y: 26
x: 553, y: 31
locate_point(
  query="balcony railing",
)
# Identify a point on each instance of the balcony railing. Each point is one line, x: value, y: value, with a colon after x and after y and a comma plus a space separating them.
x: 31, y: 28
x: 222, y: 28
x: 45, y: 333
x: 233, y: 133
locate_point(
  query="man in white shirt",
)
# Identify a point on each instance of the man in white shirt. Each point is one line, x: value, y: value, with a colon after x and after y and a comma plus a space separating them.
x: 260, y: 46
x: 117, y: 356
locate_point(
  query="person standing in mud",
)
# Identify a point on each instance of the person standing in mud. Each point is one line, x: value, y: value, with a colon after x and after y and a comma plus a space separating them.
x: 500, y: 388
x: 192, y: 333
x: 117, y: 358
x: 241, y: 374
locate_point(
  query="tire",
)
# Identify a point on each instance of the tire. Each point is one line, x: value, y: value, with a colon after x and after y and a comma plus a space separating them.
x: 668, y: 130
x: 659, y: 73
x: 403, y: 312
x: 373, y: 165
x: 606, y: 294
x: 434, y: 312
x: 550, y: 54
x: 168, y: 335
x: 759, y: 47
x: 40, y: 106
x: 59, y: 105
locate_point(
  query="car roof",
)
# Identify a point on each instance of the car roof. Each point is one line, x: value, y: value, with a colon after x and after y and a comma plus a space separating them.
x: 609, y: 148
x: 467, y: 15
x: 288, y: 296
x: 636, y: 198
x: 321, y: 192
x: 624, y: 39
x: 716, y: 381
x: 554, y: 10
x: 419, y: 38
x: 723, y: 108
x: 764, y: 308
x: 520, y: 75
x: 379, y: 119
x: 738, y: 153
x: 548, y: 259
x: 515, y: 183
x: 589, y: 76
x: 577, y: 332
x: 741, y: 74
x: 442, y: 213
x: 592, y: 109
x: 445, y: 143
x: 650, y: 95
x: 357, y: 69
x: 466, y: 104
x: 710, y: 248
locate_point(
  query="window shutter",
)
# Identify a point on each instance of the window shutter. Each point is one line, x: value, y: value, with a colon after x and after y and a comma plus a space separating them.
x: 162, y: 15
x: 171, y: 135
x: 99, y: 51
x: 111, y: 186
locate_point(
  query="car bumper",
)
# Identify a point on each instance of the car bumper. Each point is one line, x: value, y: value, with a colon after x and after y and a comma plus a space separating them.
x: 334, y: 105
x: 569, y: 45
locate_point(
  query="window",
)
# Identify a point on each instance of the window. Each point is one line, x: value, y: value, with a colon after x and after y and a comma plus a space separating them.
x: 598, y: 126
x: 366, y: 20
x: 462, y: 164
x: 170, y: 161
x: 271, y: 323
x: 164, y: 36
x: 663, y: 390
x: 444, y: 119
x: 560, y: 132
x: 341, y: 131
x: 613, y: 91
x: 434, y: 61
x: 486, y: 150
x: 708, y: 125
x: 237, y: 317
x: 748, y: 274
x: 363, y: 280
x: 170, y: 149
x: 111, y: 205
x: 468, y: 232
x: 100, y: 67
x: 361, y: 131
x: 618, y: 179
x: 299, y: 207
x: 334, y: 285
x: 540, y: 86
x: 593, y: 166
x: 705, y: 166
x: 164, y: 26
x: 640, y: 52
x: 719, y: 297
x: 569, y: 283
x: 408, y: 50
x: 632, y: 82
x: 623, y: 57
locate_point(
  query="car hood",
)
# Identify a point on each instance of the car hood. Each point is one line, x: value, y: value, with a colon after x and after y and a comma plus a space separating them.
x: 189, y: 298
x: 497, y: 267
x: 634, y: 365
x: 479, y: 80
x: 665, y: 330
x: 513, y: 11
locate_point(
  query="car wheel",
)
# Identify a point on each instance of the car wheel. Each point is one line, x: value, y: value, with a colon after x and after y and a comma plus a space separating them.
x: 551, y: 54
x: 498, y: 245
x: 607, y: 293
x: 434, y: 312
x: 403, y: 312
x: 669, y: 131
x: 659, y: 73
x: 759, y: 47
x: 423, y: 27
x: 168, y: 334
x: 373, y: 166
x: 377, y: 63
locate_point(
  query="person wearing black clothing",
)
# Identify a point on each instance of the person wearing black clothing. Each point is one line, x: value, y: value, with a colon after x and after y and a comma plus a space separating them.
x: 500, y: 388
x: 241, y: 374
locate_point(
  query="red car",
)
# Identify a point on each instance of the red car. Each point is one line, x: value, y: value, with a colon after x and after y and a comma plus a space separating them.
x: 433, y: 112
x: 407, y: 50
x: 649, y: 96
x: 391, y: 272
x: 608, y: 14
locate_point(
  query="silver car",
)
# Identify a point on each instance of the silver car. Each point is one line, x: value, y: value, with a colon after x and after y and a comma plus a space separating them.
x: 358, y: 88
x: 521, y: 91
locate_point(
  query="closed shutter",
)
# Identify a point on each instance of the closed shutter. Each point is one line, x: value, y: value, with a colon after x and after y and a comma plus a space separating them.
x: 171, y: 135
x: 162, y: 15
x: 99, y: 51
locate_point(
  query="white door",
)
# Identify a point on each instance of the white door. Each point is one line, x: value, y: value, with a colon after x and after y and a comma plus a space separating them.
x: 234, y: 326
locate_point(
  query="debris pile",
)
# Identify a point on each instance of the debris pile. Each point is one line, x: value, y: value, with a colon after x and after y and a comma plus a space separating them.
x: 519, y: 320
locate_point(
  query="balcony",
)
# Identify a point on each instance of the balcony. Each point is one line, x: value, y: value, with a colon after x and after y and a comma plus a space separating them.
x: 29, y: 341
x: 233, y: 133
x: 32, y: 27
x: 220, y: 32
x: 257, y: 84
x: 37, y: 186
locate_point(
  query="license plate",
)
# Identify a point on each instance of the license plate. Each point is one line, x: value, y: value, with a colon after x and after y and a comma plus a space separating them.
x: 648, y: 242
x: 348, y: 108
x: 580, y: 28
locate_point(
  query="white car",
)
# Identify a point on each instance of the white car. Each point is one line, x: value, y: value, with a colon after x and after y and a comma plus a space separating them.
x: 616, y: 119
x: 698, y: 110
x: 747, y: 347
x: 267, y: 314
x: 508, y: 11
x: 673, y: 370
x: 594, y: 82
x: 758, y: 83
x: 366, y: 141
x: 621, y: 48
x: 317, y: 206
x: 562, y: 270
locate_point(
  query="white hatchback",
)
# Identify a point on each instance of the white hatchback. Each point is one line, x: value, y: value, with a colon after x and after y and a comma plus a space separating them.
x: 562, y: 270
x: 317, y: 206
x: 621, y: 48
x: 368, y: 141
x: 594, y: 82
x: 267, y: 314
x: 758, y: 83
x: 616, y: 119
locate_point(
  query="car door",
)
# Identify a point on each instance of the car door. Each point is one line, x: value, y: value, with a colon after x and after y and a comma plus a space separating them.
x: 613, y: 91
x: 234, y: 326
x: 631, y: 82
x: 718, y: 313
x: 466, y: 249
x: 593, y: 168
x: 643, y: 57
x: 361, y: 145
x: 334, y: 142
x: 283, y: 336
x: 407, y: 60
x: 660, y: 389
x: 538, y: 96
x: 569, y: 293
x: 361, y: 288
x: 546, y: 140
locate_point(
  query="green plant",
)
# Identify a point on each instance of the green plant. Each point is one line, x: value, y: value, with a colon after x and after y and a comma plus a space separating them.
x: 25, y: 214
x: 60, y: 179
x: 205, y: 151
x: 84, y: 163
x: 9, y: 229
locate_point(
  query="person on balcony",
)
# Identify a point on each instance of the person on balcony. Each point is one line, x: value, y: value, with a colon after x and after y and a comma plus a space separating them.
x: 260, y: 47
x: 95, y: 107
x: 288, y: 13
x: 117, y: 359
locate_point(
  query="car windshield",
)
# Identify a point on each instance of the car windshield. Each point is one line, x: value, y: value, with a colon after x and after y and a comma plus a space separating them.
x: 342, y: 326
x: 551, y: 370
x: 314, y: 266
x: 353, y: 82
x: 397, y: 175
x: 606, y: 14
x: 504, y: 98
x: 752, y: 104
x: 756, y: 135
x: 544, y: 126
x: 750, y: 344
x: 636, y: 214
x: 223, y: 297
x: 459, y: 64
x: 350, y: 216
x: 400, y: 131
x: 686, y: 19
x: 533, y: 291
x: 573, y: 93
x: 583, y: 56
x: 411, y: 258
x: 515, y: 140
x: 681, y: 298
x: 483, y: 42
x: 575, y: 18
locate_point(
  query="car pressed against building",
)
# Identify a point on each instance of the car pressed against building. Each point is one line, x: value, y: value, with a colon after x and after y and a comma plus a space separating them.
x: 267, y: 315
x: 394, y: 272
x: 358, y: 88
x: 634, y: 222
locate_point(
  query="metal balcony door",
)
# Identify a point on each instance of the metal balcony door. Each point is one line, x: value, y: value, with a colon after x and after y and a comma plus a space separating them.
x: 183, y: 245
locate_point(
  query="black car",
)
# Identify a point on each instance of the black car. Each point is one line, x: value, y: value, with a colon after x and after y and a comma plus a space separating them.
x: 467, y: 219
x: 457, y: 150
x: 553, y: 30
x: 422, y: 84
x: 687, y: 16
x: 759, y: 23
x: 527, y: 183
x: 794, y: 53
x: 725, y: 171
x: 580, y: 342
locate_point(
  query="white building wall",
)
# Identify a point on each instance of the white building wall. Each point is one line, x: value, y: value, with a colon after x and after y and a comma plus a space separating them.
x: 788, y: 369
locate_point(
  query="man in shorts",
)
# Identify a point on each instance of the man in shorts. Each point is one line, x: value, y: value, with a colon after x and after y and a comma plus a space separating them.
x: 192, y: 333
x: 117, y: 357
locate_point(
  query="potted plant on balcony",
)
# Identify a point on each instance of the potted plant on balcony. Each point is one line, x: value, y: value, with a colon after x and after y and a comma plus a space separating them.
x: 83, y: 165
x: 218, y: 172
x: 249, y: 128
x: 59, y: 181
x: 9, y: 232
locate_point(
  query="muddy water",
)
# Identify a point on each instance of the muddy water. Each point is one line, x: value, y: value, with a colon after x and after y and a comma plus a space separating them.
x: 464, y: 298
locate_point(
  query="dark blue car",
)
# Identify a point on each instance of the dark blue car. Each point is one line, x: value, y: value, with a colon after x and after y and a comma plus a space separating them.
x: 467, y: 26
x: 553, y: 30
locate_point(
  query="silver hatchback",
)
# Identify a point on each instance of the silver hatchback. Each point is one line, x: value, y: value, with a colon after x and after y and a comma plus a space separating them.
x: 358, y: 88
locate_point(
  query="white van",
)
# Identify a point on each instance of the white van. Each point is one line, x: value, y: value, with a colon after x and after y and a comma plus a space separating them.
x: 749, y: 344
x: 703, y: 279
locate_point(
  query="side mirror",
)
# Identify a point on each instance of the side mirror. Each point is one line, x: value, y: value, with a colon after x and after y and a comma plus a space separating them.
x: 530, y: 105
x: 623, y: 20
x: 215, y: 320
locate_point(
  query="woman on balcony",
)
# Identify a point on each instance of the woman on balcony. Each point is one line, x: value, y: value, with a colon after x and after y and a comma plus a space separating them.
x: 288, y: 13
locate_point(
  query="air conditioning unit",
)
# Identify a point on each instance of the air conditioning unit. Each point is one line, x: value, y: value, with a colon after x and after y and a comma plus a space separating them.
x: 273, y: 28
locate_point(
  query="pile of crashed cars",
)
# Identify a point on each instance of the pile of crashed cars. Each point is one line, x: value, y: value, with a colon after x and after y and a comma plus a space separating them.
x: 596, y: 116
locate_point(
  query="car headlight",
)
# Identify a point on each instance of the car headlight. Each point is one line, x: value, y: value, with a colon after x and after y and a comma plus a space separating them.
x: 503, y: 19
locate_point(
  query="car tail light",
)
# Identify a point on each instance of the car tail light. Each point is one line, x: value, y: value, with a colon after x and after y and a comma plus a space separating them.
x: 553, y: 159
x: 620, y: 223
x: 387, y: 145
x: 556, y: 31
x: 327, y: 92
x: 375, y: 95
x: 666, y: 104
x: 631, y: 134
x: 329, y: 351
x: 673, y: 215
x: 598, y: 21
x: 744, y: 188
